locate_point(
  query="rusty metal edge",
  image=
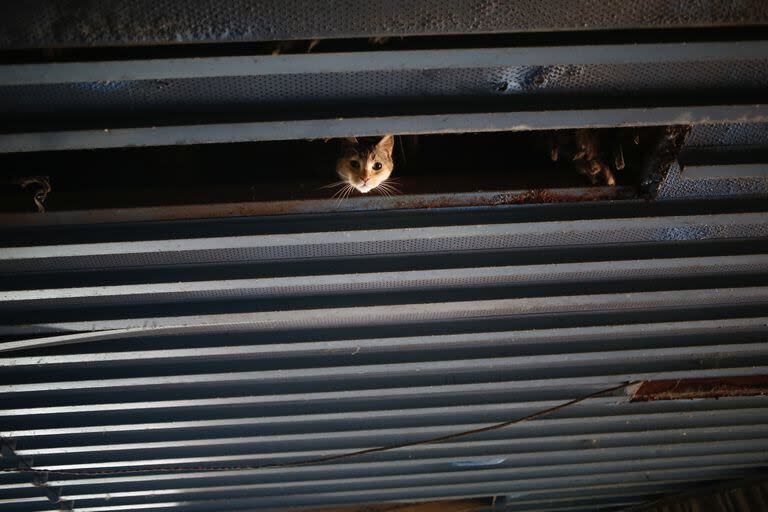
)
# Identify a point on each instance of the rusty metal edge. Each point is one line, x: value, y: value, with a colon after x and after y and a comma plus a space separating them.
x: 356, y: 204
x: 689, y: 389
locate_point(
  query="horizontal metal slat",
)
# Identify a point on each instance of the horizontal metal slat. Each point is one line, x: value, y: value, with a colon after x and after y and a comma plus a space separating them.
x: 334, y: 436
x: 544, y: 475
x: 335, y: 425
x: 388, y: 281
x: 703, y: 171
x: 522, y: 488
x: 82, y: 488
x: 379, y: 126
x: 604, y: 381
x: 157, y: 69
x: 677, y: 228
x: 56, y: 228
x: 559, y: 364
x: 403, y: 314
x: 399, y: 241
x: 245, y: 454
x: 110, y: 348
x: 518, y: 476
x: 581, y: 461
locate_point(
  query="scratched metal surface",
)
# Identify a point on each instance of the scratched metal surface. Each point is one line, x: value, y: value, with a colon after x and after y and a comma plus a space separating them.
x: 239, y: 353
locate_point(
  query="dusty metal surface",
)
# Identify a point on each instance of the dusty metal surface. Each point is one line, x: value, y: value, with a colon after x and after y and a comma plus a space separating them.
x: 731, y: 134
x: 48, y: 23
x: 309, y: 353
x: 361, y: 203
x: 719, y: 160
x: 725, y: 171
x: 141, y: 100
x: 357, y: 62
x: 377, y: 126
x: 163, y: 359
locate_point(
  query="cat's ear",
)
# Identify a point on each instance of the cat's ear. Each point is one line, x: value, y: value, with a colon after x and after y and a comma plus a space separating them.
x: 351, y: 140
x: 387, y: 143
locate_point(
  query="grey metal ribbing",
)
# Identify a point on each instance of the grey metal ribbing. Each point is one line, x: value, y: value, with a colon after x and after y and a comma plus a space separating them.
x: 389, y: 241
x: 392, y: 281
x: 173, y: 390
x: 99, y: 71
x: 415, y: 313
x: 379, y: 125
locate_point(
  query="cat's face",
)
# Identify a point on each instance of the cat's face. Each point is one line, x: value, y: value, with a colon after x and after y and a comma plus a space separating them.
x: 366, y: 166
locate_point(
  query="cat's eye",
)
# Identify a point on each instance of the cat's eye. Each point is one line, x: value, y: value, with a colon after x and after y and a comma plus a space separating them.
x: 377, y: 166
x: 355, y: 164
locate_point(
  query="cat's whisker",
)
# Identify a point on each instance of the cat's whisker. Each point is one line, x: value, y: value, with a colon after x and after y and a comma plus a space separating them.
x: 391, y: 181
x: 340, y: 193
x: 349, y: 192
x: 344, y: 194
x: 391, y: 189
x: 334, y: 184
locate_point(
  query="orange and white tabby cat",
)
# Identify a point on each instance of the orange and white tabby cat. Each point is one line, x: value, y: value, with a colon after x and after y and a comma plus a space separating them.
x: 365, y: 166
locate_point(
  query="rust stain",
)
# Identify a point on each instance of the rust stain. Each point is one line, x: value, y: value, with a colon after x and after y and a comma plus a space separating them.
x: 215, y: 210
x: 535, y: 196
x: 538, y: 196
x: 682, y: 389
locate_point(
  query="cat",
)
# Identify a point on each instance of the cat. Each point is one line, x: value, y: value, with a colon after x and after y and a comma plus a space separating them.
x: 587, y: 155
x: 365, y: 165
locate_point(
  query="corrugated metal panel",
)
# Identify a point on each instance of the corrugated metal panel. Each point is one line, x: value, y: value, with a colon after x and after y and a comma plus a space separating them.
x: 139, y: 357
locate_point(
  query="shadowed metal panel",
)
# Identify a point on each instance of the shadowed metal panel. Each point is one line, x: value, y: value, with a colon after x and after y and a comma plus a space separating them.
x: 389, y: 241
x: 119, y: 92
x: 726, y: 181
x: 45, y: 23
x: 162, y: 380
x: 405, y: 60
x: 245, y: 98
x: 720, y: 160
x: 151, y: 135
x: 724, y: 135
